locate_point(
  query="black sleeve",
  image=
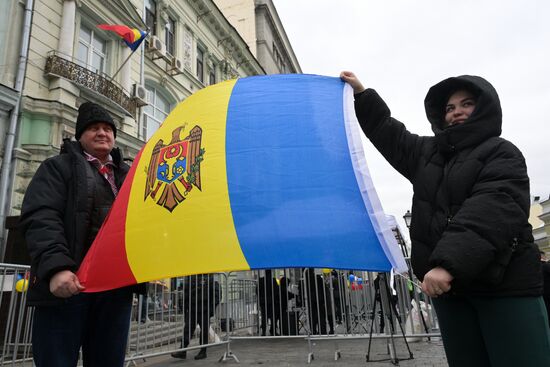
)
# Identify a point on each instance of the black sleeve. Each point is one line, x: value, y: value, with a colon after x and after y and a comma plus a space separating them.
x: 42, y: 220
x: 489, y: 220
x: 398, y: 146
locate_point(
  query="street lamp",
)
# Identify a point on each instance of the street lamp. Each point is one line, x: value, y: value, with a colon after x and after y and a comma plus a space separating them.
x: 407, y: 217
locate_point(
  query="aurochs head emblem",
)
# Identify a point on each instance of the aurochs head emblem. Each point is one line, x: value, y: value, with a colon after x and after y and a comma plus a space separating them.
x: 175, y: 168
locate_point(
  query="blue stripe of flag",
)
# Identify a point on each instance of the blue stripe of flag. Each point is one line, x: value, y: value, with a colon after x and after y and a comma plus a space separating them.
x: 293, y: 192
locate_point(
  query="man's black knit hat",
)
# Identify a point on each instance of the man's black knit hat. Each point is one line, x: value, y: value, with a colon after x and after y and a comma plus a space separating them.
x: 90, y: 113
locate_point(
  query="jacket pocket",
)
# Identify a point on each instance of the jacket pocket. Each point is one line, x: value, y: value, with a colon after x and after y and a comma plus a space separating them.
x: 494, y: 273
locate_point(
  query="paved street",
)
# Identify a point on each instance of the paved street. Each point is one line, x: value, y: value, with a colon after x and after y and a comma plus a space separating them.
x: 294, y: 352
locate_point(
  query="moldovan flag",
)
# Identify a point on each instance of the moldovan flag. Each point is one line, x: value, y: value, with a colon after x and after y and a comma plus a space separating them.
x: 259, y: 172
x: 133, y: 37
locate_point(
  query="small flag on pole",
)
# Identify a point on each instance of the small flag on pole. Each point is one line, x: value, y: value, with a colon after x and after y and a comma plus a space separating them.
x: 132, y: 36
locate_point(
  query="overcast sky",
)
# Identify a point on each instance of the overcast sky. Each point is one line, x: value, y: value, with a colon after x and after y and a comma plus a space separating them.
x: 403, y: 47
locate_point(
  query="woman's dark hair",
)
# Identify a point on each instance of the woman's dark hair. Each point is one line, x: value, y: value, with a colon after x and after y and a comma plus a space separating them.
x: 467, y: 87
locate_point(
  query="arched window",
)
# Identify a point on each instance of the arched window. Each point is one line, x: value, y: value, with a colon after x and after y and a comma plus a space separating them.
x: 154, y: 113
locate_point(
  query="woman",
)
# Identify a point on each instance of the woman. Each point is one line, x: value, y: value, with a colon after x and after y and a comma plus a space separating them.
x: 472, y: 244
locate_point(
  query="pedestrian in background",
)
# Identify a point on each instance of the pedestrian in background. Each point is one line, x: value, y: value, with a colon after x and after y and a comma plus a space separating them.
x: 287, y: 317
x: 269, y: 297
x: 201, y: 296
x: 319, y: 304
x: 63, y: 209
x: 546, y: 281
x: 472, y: 244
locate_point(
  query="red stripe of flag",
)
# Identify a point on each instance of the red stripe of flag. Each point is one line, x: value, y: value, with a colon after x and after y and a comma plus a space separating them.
x: 123, y: 31
x: 110, y: 262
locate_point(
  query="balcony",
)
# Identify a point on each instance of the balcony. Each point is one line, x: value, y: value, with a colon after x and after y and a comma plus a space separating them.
x: 58, y: 66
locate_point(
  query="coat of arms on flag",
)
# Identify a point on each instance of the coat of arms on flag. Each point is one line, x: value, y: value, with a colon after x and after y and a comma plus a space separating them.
x: 175, y: 168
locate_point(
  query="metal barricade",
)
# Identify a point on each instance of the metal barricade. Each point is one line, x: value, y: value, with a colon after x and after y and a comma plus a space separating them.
x: 15, y: 318
x: 243, y: 299
x: 198, y: 311
x: 179, y: 315
x: 318, y: 304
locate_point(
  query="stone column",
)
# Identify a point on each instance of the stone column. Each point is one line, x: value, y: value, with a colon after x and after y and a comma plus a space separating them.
x: 125, y: 80
x: 67, y: 33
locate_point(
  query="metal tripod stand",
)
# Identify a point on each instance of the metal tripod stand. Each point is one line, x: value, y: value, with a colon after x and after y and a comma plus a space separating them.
x: 382, y: 295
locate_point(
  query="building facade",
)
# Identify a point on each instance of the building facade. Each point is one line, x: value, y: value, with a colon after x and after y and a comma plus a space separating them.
x: 542, y: 232
x: 260, y: 26
x: 11, y: 21
x: 68, y: 60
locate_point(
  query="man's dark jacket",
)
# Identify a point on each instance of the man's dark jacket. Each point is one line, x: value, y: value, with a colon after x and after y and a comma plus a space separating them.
x: 546, y: 292
x: 201, y: 293
x: 269, y: 294
x: 63, y: 209
x: 471, y: 192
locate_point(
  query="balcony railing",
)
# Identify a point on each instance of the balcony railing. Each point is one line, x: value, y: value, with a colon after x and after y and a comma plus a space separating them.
x: 61, y: 67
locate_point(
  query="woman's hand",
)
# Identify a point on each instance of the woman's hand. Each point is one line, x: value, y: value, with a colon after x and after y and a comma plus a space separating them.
x: 352, y: 80
x: 436, y: 282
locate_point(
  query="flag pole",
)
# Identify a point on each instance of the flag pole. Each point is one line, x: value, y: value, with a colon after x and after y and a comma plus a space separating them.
x: 128, y: 58
x: 121, y: 66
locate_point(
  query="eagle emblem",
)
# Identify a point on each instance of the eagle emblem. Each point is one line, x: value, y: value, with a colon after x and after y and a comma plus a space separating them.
x: 175, y: 168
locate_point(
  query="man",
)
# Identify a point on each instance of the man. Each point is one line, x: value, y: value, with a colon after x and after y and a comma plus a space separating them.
x: 320, y: 308
x: 287, y: 318
x: 270, y: 302
x: 201, y: 296
x: 546, y: 282
x: 63, y: 209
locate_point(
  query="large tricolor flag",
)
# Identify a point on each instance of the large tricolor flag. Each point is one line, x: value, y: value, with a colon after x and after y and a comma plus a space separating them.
x: 259, y: 172
x: 133, y: 37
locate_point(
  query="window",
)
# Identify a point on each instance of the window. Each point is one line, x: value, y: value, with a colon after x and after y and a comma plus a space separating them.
x: 170, y: 32
x: 200, y: 64
x: 91, y: 50
x: 278, y: 58
x: 212, y: 76
x: 154, y: 113
x: 151, y: 16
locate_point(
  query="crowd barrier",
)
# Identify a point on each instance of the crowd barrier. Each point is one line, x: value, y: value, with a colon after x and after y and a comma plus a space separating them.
x: 15, y: 318
x: 189, y: 313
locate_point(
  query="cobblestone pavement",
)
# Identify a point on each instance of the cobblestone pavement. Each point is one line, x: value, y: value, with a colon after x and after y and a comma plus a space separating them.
x: 294, y: 352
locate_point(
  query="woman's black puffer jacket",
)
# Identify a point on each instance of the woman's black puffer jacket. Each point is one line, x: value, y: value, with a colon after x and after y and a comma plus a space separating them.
x: 471, y: 192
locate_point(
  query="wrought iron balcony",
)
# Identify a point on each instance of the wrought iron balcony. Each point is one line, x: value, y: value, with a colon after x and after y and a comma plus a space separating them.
x: 61, y: 67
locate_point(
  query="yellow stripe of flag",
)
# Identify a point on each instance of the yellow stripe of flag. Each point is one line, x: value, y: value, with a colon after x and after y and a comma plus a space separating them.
x: 160, y: 243
x: 137, y: 34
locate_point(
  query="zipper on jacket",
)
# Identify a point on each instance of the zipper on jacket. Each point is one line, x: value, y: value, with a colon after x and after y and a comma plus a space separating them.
x: 515, y: 244
x: 446, y: 170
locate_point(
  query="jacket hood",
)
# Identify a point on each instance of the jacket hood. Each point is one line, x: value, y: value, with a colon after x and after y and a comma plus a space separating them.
x: 483, y: 123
